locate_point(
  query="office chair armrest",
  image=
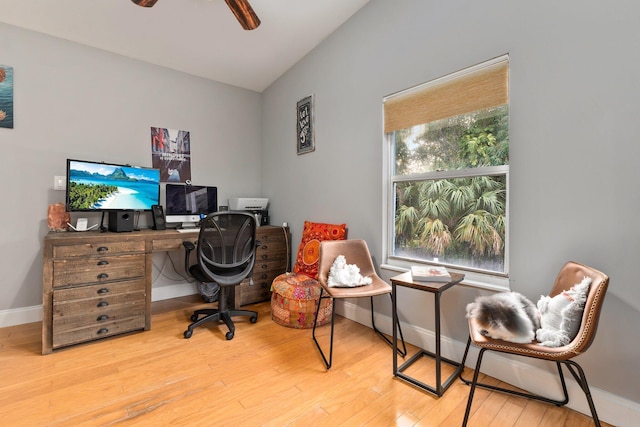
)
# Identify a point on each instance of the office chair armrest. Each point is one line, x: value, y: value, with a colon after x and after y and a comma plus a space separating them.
x: 188, y: 247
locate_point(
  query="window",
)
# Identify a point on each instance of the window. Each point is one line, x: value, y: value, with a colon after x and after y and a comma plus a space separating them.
x: 448, y: 173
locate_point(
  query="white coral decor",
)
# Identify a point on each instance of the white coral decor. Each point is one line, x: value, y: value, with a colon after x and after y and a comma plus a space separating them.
x: 346, y: 275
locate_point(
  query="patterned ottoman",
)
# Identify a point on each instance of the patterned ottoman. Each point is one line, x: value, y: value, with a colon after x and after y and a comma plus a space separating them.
x: 295, y: 299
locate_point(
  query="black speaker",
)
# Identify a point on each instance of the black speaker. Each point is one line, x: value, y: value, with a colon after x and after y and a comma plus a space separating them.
x: 120, y: 221
x: 158, y: 217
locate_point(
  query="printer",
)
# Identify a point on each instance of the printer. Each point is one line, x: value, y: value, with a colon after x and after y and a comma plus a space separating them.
x: 254, y: 205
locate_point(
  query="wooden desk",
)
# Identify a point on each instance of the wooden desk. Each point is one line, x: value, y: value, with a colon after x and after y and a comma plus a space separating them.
x: 436, y: 289
x: 97, y: 285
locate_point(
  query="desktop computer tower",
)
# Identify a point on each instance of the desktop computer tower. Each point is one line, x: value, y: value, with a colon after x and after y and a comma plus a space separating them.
x: 120, y: 221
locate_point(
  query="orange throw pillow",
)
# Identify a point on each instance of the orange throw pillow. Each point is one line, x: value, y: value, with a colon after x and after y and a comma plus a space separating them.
x: 312, y: 234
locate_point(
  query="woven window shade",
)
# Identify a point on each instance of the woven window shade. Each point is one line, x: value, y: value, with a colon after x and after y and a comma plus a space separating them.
x: 476, y: 88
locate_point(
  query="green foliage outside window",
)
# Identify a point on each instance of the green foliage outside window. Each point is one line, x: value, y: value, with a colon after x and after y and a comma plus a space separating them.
x: 460, y: 218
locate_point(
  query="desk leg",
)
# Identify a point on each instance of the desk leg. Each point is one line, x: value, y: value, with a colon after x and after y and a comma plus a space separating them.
x: 394, y: 325
x: 438, y: 356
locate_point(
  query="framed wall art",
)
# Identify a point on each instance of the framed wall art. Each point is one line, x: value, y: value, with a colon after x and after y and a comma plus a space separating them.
x: 305, y: 139
x: 6, y: 97
x: 171, y: 153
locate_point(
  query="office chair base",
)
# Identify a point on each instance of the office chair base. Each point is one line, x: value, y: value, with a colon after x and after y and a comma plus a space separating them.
x: 214, y: 315
x: 572, y: 366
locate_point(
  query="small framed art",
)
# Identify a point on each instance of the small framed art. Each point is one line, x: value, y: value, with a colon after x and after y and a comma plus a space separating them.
x: 6, y: 97
x: 305, y: 139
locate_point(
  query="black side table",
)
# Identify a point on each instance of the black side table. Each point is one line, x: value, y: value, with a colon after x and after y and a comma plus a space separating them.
x: 436, y: 289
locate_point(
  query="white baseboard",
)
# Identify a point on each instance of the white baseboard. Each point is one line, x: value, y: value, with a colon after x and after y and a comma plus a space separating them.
x: 19, y: 316
x: 611, y: 408
x: 173, y: 291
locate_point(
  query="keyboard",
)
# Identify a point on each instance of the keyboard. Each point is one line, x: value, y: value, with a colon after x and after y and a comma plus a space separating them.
x: 187, y: 230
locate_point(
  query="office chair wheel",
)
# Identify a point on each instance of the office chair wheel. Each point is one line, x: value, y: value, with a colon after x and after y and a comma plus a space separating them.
x: 229, y: 335
x: 188, y: 333
x: 194, y: 317
x: 253, y: 319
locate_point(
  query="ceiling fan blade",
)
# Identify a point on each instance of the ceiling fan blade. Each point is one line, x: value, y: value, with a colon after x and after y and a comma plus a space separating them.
x: 145, y: 3
x: 244, y: 14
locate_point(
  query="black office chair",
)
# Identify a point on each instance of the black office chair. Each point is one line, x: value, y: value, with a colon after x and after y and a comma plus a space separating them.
x: 226, y: 250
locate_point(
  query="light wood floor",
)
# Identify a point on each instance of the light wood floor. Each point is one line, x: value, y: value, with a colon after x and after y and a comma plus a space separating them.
x: 267, y: 375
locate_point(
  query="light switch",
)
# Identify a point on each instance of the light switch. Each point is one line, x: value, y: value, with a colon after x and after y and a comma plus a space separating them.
x: 59, y: 183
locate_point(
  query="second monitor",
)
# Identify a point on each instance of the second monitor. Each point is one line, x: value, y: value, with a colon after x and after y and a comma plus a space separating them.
x: 187, y: 204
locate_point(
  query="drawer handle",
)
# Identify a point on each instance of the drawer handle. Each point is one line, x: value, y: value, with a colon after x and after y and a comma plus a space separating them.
x: 103, y: 262
x: 264, y: 294
x: 103, y: 331
x: 102, y: 304
x: 264, y: 247
x: 264, y: 276
x: 103, y: 291
x: 102, y: 318
x: 102, y: 249
x: 265, y: 256
x: 264, y: 285
x: 264, y: 266
x: 103, y: 276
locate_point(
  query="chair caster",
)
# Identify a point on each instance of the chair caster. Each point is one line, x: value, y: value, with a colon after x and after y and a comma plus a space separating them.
x: 194, y: 317
x: 253, y: 319
x: 229, y: 335
x: 188, y: 333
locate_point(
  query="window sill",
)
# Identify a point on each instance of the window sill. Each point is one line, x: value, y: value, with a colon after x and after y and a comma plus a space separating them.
x: 471, y: 279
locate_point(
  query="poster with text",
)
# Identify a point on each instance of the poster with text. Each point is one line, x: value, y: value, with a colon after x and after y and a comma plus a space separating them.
x: 171, y: 153
x: 6, y: 97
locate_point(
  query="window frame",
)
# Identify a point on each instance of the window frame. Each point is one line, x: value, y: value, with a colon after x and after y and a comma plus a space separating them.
x: 473, y: 277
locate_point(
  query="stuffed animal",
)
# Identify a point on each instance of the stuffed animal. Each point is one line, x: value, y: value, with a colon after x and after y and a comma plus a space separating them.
x: 508, y: 316
x: 561, y: 315
x: 346, y: 275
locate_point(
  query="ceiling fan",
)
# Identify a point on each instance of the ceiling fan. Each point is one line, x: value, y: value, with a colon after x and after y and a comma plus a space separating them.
x: 240, y: 8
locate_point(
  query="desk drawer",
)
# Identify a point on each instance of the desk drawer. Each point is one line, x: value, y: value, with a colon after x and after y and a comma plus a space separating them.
x: 173, y: 244
x: 95, y: 331
x: 70, y: 315
x: 259, y: 291
x: 96, y: 311
x: 76, y: 271
x: 267, y: 266
x: 102, y: 248
x: 98, y: 291
x: 272, y: 252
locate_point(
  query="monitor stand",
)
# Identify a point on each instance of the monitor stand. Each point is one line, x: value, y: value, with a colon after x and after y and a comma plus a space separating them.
x: 189, y: 225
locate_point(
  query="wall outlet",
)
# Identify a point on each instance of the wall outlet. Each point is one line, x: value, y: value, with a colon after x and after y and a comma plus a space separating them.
x: 59, y: 183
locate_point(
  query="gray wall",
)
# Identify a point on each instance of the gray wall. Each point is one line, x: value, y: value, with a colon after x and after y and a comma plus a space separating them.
x: 574, y: 107
x: 83, y: 103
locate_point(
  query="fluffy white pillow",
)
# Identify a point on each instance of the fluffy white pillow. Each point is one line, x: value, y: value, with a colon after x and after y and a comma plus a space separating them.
x: 560, y: 316
x: 346, y: 275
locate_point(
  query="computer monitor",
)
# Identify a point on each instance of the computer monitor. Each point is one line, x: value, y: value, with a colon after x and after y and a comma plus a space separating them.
x: 99, y: 186
x: 187, y: 204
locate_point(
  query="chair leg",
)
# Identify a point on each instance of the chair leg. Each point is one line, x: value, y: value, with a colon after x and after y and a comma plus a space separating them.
x: 582, y: 381
x: 327, y: 362
x: 474, y: 383
x: 210, y: 317
x: 402, y: 352
x: 571, y: 366
x: 519, y: 393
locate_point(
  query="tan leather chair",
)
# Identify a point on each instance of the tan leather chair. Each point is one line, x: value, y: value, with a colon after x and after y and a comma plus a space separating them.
x: 355, y: 252
x: 570, y: 274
